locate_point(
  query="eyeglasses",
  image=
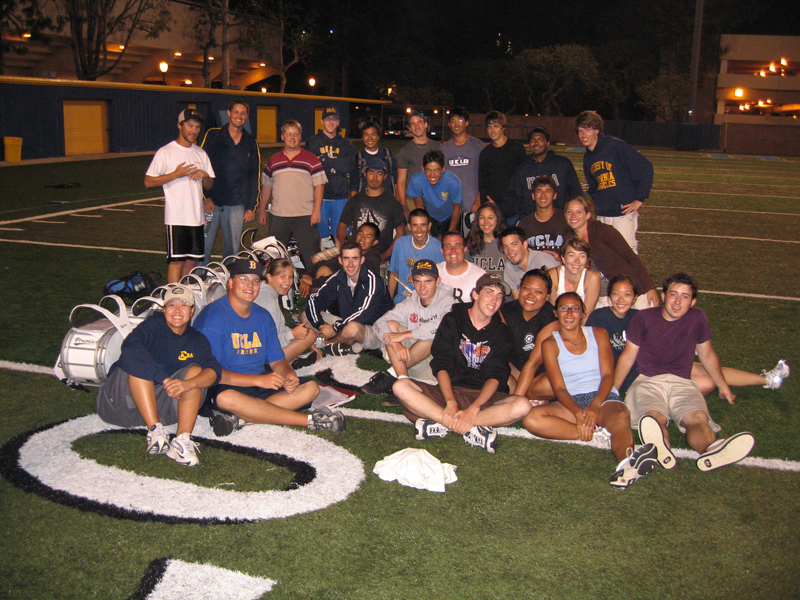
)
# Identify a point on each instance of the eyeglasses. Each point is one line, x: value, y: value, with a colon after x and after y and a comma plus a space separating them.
x: 566, y: 309
x: 245, y: 280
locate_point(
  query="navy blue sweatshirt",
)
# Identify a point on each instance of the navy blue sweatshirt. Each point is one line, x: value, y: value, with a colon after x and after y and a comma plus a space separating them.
x: 338, y: 158
x: 365, y: 304
x: 617, y: 175
x: 519, y: 196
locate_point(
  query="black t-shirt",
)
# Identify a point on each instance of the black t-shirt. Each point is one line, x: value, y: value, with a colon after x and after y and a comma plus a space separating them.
x: 616, y: 328
x: 384, y: 210
x: 525, y: 332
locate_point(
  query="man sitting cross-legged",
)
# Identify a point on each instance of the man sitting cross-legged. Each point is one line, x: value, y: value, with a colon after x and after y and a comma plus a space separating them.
x: 409, y: 328
x: 244, y: 339
x: 362, y: 299
x: 663, y: 342
x: 160, y: 378
x: 471, y: 353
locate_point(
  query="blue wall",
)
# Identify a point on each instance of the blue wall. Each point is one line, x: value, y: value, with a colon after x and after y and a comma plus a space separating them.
x: 138, y: 119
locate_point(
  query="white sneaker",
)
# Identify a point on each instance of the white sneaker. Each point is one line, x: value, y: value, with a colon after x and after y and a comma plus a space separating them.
x: 641, y: 462
x: 428, y: 428
x: 650, y: 432
x: 184, y: 451
x: 776, y: 376
x: 725, y: 452
x: 157, y: 439
x: 483, y: 437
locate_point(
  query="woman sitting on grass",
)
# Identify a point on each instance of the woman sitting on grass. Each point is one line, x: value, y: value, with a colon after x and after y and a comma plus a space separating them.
x: 574, y: 274
x: 482, y: 240
x: 616, y: 318
x: 580, y: 366
x: 294, y: 342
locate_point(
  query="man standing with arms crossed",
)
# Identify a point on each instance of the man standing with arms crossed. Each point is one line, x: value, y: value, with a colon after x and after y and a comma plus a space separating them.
x: 234, y: 196
x: 184, y: 171
x: 293, y: 179
x: 338, y: 158
x: 409, y: 159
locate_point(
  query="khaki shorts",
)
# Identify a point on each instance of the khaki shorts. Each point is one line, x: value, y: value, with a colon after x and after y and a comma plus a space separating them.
x: 371, y: 339
x: 422, y: 370
x: 670, y: 395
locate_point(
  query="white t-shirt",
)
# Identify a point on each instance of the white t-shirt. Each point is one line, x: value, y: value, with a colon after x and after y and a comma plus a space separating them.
x: 462, y: 284
x: 183, y: 198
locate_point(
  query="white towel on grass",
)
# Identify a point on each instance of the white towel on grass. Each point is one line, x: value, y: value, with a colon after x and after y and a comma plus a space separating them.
x: 416, y: 468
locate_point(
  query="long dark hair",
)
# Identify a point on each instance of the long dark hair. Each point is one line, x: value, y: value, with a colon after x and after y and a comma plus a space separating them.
x: 475, y: 243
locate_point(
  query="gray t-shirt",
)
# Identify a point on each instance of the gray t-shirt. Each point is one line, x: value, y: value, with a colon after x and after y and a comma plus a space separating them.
x: 536, y: 260
x: 462, y: 161
x: 410, y: 156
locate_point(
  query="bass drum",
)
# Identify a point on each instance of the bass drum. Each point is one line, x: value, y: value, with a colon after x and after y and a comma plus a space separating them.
x: 88, y: 354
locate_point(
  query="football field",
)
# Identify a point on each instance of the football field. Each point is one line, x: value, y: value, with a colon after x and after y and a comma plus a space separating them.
x: 282, y: 513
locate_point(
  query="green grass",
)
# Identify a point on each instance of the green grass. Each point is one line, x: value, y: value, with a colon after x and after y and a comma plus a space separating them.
x: 536, y: 520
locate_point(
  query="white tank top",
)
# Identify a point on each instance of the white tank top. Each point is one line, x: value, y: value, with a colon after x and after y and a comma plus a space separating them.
x: 562, y: 281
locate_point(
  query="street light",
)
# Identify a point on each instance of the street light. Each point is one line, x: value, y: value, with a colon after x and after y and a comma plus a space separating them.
x: 312, y: 82
x: 163, y: 67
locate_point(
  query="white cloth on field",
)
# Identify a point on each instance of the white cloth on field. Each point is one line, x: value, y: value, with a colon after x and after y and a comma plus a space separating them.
x: 416, y: 468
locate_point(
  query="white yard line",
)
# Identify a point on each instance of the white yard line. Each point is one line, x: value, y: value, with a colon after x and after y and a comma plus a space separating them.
x: 721, y: 237
x: 83, y: 247
x: 731, y: 210
x: 723, y: 193
x: 10, y: 229
x: 78, y: 210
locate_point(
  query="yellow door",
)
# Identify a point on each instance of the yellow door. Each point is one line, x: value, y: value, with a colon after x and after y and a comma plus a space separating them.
x: 267, y: 119
x: 85, y: 127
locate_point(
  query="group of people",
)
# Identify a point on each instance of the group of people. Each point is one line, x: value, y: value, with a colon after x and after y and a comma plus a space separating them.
x: 543, y: 314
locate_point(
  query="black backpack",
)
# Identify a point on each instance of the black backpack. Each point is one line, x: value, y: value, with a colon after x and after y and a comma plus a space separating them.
x: 134, y: 286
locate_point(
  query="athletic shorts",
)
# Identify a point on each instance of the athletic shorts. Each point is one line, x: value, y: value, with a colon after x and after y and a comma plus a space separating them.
x: 464, y: 398
x: 115, y: 403
x: 253, y: 392
x: 670, y: 395
x: 184, y: 242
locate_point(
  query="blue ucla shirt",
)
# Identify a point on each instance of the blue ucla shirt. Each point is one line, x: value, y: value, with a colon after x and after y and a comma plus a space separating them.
x: 438, y: 199
x: 240, y: 345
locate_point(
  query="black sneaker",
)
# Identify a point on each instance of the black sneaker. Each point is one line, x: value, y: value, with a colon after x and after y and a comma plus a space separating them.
x: 339, y: 349
x: 642, y: 462
x: 223, y: 423
x: 325, y: 418
x: 304, y: 361
x: 381, y: 383
x: 390, y: 400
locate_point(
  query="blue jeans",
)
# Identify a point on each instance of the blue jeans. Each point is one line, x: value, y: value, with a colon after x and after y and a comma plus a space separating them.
x: 231, y: 218
x: 331, y: 211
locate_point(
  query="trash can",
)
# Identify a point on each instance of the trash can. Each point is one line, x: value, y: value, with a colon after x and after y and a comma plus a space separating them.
x: 13, y: 149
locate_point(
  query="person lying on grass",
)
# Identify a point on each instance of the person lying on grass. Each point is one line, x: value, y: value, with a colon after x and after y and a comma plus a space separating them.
x: 161, y: 378
x: 662, y: 341
x: 244, y: 340
x: 580, y: 366
x: 409, y: 328
x: 616, y: 319
x: 296, y: 341
x: 471, y: 354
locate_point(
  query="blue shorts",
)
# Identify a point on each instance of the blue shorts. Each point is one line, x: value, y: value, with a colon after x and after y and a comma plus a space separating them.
x: 584, y: 400
x: 253, y: 392
x: 331, y: 211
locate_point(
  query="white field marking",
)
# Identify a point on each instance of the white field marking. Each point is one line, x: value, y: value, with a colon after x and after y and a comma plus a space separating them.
x: 208, y: 582
x: 83, y: 246
x: 48, y: 223
x: 777, y: 464
x: 120, y: 209
x: 763, y: 296
x: 78, y: 210
x: 721, y: 237
x: 88, y: 216
x: 719, y: 193
x: 152, y: 205
x: 732, y: 210
x: 10, y: 229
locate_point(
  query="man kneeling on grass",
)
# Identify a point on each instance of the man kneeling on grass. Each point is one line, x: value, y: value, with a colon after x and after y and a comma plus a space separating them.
x: 409, y: 328
x: 663, y: 342
x: 244, y: 338
x: 471, y: 354
x: 140, y: 389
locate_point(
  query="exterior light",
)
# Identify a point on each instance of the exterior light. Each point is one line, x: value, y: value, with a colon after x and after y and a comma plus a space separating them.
x: 178, y: 54
x: 26, y: 35
x: 772, y: 67
x: 163, y: 67
x: 738, y: 92
x: 769, y: 101
x: 763, y: 74
x: 188, y: 82
x: 784, y: 62
x: 263, y: 90
x: 436, y: 111
x: 312, y: 82
x: 408, y: 110
x: 262, y: 64
x: 121, y: 47
x: 210, y: 58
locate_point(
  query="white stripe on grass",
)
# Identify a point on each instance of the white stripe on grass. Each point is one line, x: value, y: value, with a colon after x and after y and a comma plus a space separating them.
x: 731, y: 210
x: 82, y: 246
x: 347, y: 364
x: 721, y: 237
x: 772, y: 196
x: 79, y: 210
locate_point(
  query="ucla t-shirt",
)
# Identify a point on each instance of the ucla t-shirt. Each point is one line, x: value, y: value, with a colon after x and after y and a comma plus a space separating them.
x: 438, y: 199
x: 240, y: 345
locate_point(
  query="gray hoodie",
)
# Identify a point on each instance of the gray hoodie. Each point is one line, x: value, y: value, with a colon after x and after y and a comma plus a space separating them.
x: 421, y: 321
